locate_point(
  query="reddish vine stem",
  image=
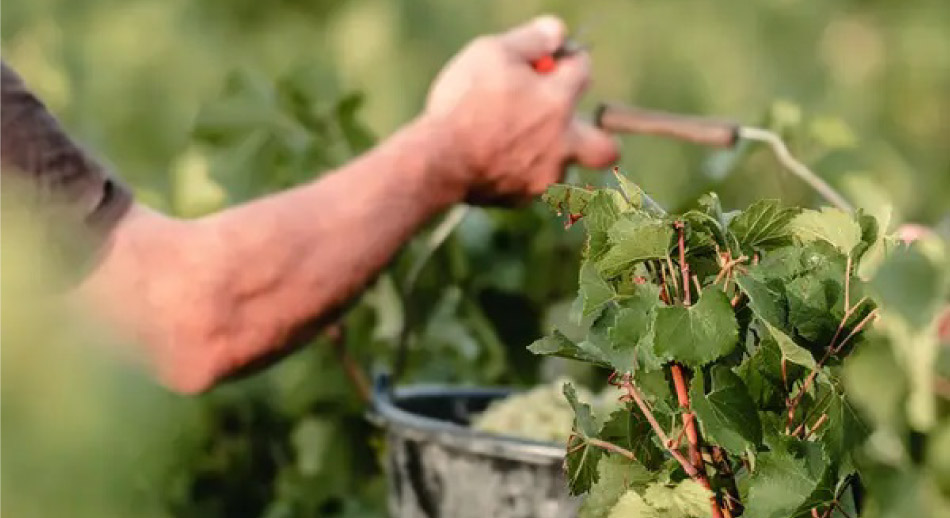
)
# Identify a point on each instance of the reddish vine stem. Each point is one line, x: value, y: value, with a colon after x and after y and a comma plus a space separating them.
x: 821, y: 420
x: 648, y: 413
x: 681, y: 385
x: 828, y: 353
x: 727, y: 267
x: 351, y: 368
x: 731, y: 500
x: 819, y: 405
x: 832, y: 348
x: 665, y: 439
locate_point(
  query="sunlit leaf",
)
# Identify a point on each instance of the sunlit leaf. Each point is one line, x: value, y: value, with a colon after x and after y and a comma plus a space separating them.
x: 698, y: 334
x: 727, y: 413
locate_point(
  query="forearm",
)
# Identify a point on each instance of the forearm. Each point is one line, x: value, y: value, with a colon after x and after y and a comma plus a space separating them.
x: 295, y: 258
x: 213, y: 296
x: 209, y: 297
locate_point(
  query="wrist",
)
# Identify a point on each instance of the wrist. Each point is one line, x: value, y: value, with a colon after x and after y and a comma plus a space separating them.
x: 445, y: 173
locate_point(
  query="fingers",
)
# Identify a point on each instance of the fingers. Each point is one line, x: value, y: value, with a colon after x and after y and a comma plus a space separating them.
x: 590, y: 146
x: 572, y: 74
x: 535, y: 39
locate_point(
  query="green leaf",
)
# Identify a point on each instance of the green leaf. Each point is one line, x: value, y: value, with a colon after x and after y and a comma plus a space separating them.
x: 632, y: 334
x: 567, y: 198
x: 832, y: 132
x: 358, y: 136
x: 883, y: 399
x: 629, y: 429
x: 780, y: 485
x: 767, y: 300
x: 905, y: 492
x: 594, y: 290
x: 311, y: 438
x: 598, y: 342
x: 910, y: 285
x: 779, y: 264
x: 632, y: 505
x: 833, y: 226
x: 698, y: 334
x: 582, y: 457
x: 603, y: 209
x: 559, y: 345
x: 800, y: 290
x: 686, y: 499
x: 727, y: 413
x: 870, y: 234
x: 703, y: 233
x: 616, y: 476
x: 764, y: 224
x: 711, y: 205
x: 844, y: 430
x: 791, y: 351
x: 938, y: 455
x: 631, y: 191
x: 762, y: 374
x: 584, y: 421
x: 635, y: 237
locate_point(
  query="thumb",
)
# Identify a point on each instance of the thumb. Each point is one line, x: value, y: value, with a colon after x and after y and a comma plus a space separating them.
x: 590, y: 146
x: 538, y: 38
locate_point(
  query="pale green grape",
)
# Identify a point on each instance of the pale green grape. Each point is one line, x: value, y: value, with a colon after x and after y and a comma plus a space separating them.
x: 542, y: 413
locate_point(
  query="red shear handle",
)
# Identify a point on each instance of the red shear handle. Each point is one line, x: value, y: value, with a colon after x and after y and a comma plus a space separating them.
x: 547, y: 64
x: 544, y: 65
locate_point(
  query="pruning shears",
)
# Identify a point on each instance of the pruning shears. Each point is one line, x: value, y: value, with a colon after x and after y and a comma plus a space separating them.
x: 706, y: 131
x: 547, y: 64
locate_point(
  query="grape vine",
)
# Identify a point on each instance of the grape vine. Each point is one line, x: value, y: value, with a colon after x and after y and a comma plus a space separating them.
x: 724, y: 335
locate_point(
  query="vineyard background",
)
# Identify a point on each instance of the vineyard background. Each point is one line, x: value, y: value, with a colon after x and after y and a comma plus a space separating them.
x: 202, y: 104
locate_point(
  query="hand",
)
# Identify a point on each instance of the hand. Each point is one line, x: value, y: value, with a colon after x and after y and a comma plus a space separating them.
x: 513, y: 129
x: 910, y: 232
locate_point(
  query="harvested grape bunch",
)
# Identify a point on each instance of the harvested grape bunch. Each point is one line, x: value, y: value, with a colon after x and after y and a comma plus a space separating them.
x: 539, y: 414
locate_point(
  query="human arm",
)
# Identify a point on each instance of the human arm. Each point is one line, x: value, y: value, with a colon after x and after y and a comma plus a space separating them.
x: 209, y: 297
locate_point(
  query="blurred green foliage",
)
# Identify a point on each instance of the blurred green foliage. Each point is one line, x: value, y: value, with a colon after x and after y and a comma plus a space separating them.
x: 203, y: 104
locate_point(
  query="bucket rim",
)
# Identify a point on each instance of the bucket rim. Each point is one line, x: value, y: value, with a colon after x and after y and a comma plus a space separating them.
x: 388, y: 415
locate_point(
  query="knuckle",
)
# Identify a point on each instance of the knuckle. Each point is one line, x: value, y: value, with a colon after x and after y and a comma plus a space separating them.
x: 484, y: 44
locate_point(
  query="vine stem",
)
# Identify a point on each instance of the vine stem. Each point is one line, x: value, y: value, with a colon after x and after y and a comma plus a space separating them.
x: 699, y: 475
x: 832, y: 349
x: 828, y: 353
x: 351, y: 368
x: 679, y: 377
x: 727, y: 267
x: 681, y: 385
x: 821, y: 420
x: 658, y: 430
x: 609, y: 446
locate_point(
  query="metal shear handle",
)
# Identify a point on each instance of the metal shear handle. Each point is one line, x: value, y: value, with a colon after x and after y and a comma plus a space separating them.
x: 617, y: 118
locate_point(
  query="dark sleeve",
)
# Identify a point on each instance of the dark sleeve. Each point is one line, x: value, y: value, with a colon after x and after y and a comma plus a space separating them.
x: 61, y: 183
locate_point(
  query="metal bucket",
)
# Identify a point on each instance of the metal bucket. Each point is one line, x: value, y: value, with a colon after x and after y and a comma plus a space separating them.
x: 439, y: 467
